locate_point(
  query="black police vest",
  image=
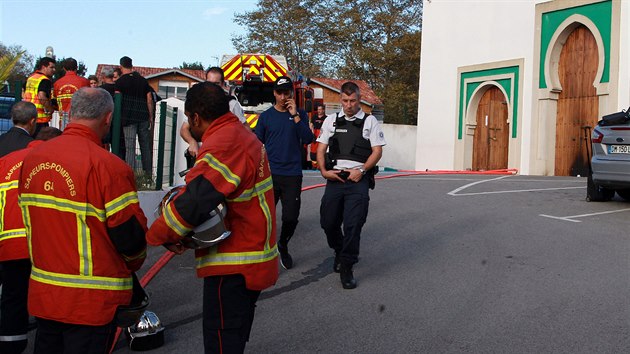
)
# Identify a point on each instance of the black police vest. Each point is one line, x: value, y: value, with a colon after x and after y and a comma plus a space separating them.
x: 347, y: 143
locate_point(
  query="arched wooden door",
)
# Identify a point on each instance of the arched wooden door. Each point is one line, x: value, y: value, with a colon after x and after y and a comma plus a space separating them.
x: 490, y: 142
x: 578, y: 104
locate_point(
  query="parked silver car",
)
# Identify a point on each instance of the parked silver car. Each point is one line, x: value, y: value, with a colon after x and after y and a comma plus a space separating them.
x: 610, y: 162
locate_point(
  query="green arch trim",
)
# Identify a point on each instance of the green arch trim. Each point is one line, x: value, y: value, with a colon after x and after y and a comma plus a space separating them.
x: 470, y: 81
x: 599, y: 13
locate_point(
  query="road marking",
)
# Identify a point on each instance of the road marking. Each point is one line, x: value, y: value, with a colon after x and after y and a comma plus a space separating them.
x: 455, y: 191
x: 571, y: 217
x: 516, y: 191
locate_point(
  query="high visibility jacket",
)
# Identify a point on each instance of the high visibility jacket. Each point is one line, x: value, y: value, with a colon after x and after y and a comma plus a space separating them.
x: 231, y: 166
x: 12, y: 232
x: 84, y: 226
x: 30, y: 95
x: 65, y: 87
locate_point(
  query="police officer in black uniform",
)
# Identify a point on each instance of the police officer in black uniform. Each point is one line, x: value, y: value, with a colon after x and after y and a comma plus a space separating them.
x: 354, y: 141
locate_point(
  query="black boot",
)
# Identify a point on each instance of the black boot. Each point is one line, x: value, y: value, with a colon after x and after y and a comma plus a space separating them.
x: 347, y: 278
x: 336, y: 264
x: 285, y: 258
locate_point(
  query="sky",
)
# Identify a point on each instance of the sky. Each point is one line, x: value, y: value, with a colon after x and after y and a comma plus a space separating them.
x: 156, y: 33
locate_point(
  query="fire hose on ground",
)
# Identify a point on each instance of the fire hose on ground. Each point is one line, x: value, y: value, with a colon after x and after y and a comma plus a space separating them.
x: 168, y: 255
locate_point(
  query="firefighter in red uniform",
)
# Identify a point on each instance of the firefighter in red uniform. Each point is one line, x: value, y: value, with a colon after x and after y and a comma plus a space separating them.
x: 85, y: 229
x: 16, y: 265
x: 67, y: 85
x: 231, y: 168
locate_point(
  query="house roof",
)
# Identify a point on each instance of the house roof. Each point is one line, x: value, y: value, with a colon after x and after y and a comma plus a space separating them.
x: 147, y: 72
x: 367, y: 95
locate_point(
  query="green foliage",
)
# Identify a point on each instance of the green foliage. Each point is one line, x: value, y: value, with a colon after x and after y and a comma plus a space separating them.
x: 7, y: 63
x: 374, y: 41
x: 192, y: 66
x: 22, y: 68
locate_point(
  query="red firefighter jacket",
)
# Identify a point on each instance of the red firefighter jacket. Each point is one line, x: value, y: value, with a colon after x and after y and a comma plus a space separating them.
x: 84, y: 226
x: 231, y: 167
x: 12, y: 232
x: 65, y: 87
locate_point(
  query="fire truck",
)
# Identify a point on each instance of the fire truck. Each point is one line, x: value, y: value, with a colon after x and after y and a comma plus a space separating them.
x: 251, y: 78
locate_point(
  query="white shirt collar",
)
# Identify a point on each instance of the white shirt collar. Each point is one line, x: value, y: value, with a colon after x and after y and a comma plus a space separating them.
x: 360, y: 115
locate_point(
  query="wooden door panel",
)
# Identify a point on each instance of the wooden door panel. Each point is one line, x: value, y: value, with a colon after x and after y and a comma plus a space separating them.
x: 491, y: 138
x: 577, y: 103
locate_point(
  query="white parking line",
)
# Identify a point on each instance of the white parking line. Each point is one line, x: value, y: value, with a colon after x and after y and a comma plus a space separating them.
x: 571, y: 217
x: 455, y: 191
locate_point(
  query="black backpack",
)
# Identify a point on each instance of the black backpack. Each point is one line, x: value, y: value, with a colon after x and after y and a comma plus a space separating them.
x: 615, y: 118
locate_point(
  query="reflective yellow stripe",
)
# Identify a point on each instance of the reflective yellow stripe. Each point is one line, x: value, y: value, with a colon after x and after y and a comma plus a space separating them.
x: 173, y: 223
x: 9, y: 234
x: 81, y: 281
x: 222, y: 169
x: 4, y: 188
x: 259, y: 189
x: 121, y: 203
x: 84, y: 246
x: 46, y: 201
x: 86, y: 279
x: 27, y: 225
x: 236, y: 258
x: 8, y: 185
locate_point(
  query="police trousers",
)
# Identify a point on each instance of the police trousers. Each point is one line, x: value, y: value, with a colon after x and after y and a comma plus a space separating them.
x: 345, y: 203
x: 13, y: 306
x: 57, y: 337
x: 228, y: 313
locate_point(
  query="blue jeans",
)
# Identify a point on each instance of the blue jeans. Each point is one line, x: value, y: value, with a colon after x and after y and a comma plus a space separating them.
x: 144, y: 140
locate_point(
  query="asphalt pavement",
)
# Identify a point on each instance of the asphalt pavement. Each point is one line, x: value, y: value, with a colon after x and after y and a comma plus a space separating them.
x: 449, y: 264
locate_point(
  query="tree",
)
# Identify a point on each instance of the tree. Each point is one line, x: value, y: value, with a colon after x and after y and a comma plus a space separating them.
x: 7, y: 63
x: 284, y: 27
x: 374, y: 41
x: 192, y: 66
x: 22, y: 68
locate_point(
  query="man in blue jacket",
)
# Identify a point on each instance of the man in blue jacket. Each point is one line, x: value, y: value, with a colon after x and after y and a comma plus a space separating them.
x: 284, y: 130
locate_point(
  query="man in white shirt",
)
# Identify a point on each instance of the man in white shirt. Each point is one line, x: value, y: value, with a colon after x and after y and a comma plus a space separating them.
x: 354, y: 141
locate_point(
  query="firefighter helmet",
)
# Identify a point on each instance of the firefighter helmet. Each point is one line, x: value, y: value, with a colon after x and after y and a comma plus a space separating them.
x: 146, y: 334
x: 207, y: 234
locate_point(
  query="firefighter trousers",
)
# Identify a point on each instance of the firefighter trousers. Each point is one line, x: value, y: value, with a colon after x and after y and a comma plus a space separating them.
x: 57, y: 337
x: 13, y: 306
x: 228, y: 313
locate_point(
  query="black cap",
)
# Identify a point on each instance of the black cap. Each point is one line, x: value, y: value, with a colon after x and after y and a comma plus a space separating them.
x: 283, y: 83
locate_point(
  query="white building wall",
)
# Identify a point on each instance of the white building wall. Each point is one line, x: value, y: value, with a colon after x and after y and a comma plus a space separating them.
x: 463, y: 33
x: 399, y: 153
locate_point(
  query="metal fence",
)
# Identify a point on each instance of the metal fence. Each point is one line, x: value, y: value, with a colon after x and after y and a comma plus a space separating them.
x: 157, y: 170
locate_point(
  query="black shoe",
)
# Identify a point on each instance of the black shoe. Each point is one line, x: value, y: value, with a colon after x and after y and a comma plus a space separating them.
x: 285, y: 259
x: 347, y: 278
x: 336, y: 265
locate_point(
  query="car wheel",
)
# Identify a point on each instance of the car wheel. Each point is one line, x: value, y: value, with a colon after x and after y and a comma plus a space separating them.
x: 624, y: 193
x: 596, y: 193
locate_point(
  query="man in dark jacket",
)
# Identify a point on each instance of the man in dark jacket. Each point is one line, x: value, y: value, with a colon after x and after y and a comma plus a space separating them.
x: 24, y: 116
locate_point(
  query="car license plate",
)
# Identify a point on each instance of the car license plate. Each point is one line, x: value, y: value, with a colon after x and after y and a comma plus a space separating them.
x: 619, y: 149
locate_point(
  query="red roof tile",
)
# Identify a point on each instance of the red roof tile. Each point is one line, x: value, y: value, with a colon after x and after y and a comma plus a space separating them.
x: 367, y: 94
x: 147, y: 71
